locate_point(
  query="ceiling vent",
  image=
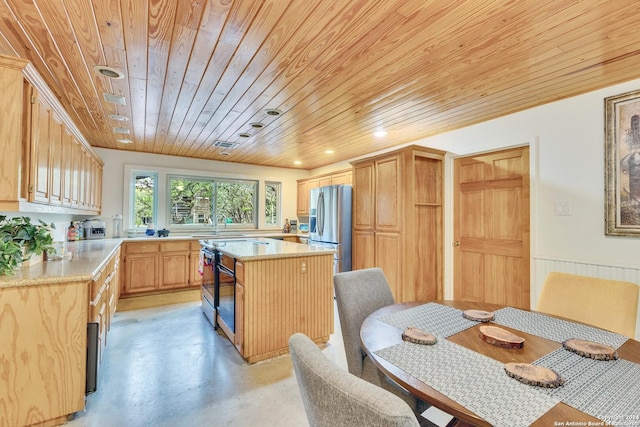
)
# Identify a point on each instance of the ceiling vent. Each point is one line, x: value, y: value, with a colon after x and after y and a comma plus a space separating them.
x: 225, y: 144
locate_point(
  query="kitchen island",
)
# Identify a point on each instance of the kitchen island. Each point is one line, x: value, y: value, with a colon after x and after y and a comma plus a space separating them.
x: 277, y: 287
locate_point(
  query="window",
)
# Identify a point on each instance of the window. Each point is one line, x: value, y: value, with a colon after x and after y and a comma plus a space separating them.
x: 272, y: 203
x: 201, y: 201
x: 235, y: 203
x: 191, y: 201
x: 144, y: 200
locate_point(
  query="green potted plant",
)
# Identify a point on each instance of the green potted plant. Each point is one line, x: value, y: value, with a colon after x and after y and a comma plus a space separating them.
x: 20, y: 239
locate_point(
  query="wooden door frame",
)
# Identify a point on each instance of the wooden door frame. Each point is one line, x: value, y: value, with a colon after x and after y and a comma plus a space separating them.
x: 448, y: 273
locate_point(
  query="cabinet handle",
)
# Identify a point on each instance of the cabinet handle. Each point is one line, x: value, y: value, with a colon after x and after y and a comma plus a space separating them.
x: 456, y: 243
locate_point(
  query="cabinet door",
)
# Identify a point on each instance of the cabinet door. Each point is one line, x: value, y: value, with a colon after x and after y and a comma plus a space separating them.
x: 195, y: 279
x: 341, y: 178
x: 302, y: 208
x: 364, y: 196
x: 389, y: 257
x: 76, y: 173
x: 141, y: 272
x: 174, y: 270
x: 326, y: 180
x: 40, y: 177
x: 67, y: 167
x: 363, y: 250
x: 388, y: 204
x: 55, y: 159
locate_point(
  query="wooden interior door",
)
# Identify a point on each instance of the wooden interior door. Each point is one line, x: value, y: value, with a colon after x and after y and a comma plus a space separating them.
x: 491, y: 228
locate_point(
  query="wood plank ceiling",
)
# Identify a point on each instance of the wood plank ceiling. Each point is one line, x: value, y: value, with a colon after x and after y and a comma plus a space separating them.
x: 201, y: 71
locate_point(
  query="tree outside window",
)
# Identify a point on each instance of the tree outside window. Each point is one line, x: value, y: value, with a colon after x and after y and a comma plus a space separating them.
x: 272, y: 203
x: 201, y: 201
x: 144, y: 198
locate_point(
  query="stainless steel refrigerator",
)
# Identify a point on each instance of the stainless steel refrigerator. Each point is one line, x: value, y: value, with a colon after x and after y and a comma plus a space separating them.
x: 330, y: 222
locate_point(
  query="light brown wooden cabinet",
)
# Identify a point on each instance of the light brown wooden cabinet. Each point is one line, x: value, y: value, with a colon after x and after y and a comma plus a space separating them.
x: 397, y: 220
x: 305, y: 185
x: 39, y: 165
x: 195, y: 278
x: 158, y: 266
x: 103, y: 298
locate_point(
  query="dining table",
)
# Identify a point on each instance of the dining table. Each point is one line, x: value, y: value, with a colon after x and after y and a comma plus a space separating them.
x: 464, y: 374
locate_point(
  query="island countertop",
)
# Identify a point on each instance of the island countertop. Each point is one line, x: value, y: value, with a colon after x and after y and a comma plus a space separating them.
x: 250, y: 249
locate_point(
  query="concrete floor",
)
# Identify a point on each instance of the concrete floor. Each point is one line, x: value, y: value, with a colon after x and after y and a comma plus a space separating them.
x: 166, y: 366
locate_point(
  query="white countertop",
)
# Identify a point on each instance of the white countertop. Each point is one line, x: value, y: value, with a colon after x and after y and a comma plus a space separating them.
x: 249, y: 249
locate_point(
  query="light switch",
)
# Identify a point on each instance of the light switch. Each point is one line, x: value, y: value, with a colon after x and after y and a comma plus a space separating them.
x: 563, y: 209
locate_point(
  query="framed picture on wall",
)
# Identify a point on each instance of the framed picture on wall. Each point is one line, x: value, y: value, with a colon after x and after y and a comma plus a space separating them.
x: 622, y: 164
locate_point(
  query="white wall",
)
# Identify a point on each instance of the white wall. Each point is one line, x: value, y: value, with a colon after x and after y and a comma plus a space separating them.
x: 114, y: 169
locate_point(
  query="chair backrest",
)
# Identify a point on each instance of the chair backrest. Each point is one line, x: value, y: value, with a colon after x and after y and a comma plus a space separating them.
x: 605, y: 303
x: 358, y: 294
x: 334, y: 397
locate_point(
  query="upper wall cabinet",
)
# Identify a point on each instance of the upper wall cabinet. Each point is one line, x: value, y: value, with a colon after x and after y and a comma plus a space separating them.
x: 305, y: 185
x: 46, y: 165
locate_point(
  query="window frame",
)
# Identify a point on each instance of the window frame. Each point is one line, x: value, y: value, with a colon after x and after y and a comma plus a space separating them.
x: 132, y: 197
x: 278, y: 220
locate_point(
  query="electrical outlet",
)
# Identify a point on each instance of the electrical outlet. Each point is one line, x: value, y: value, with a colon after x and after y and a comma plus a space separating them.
x: 303, y: 266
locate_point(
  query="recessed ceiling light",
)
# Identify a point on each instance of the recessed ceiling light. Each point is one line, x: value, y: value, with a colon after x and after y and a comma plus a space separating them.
x: 244, y: 135
x: 225, y: 153
x: 256, y: 125
x: 119, y: 118
x: 329, y: 152
x: 110, y: 72
x: 124, y: 141
x: 273, y: 112
x: 121, y: 130
x: 297, y: 162
x: 115, y: 99
x: 380, y: 133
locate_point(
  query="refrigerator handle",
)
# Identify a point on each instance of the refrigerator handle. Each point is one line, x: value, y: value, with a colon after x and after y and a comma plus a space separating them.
x: 320, y: 213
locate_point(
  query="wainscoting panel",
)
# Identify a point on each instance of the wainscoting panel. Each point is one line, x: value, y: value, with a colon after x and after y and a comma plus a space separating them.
x: 543, y: 266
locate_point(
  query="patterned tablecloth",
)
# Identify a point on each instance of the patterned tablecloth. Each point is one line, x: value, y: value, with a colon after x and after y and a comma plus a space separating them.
x: 606, y: 390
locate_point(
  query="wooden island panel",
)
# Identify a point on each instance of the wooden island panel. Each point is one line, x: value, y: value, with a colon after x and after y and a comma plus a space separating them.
x: 43, y: 349
x: 283, y: 296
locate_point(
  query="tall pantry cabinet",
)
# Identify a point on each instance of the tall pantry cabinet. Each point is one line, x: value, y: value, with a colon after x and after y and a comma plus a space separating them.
x: 397, y: 220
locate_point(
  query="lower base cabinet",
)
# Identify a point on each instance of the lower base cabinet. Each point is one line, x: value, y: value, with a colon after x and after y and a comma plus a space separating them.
x: 43, y: 351
x: 150, y: 267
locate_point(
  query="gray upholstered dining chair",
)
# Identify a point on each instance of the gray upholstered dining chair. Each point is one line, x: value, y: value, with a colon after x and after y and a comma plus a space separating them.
x: 334, y: 397
x: 358, y: 294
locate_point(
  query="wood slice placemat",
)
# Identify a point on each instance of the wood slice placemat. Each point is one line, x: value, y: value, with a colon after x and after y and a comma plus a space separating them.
x: 590, y: 349
x: 500, y: 337
x: 534, y: 375
x: 479, y: 315
x: 418, y: 336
